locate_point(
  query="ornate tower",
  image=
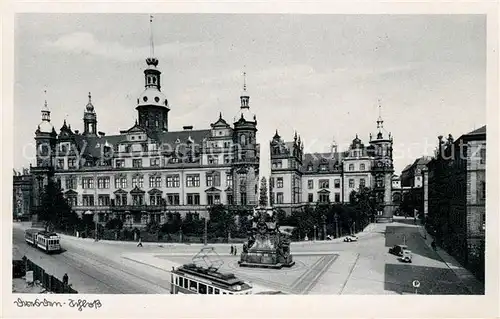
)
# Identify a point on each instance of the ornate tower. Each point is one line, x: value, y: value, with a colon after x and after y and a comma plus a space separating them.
x: 45, y: 138
x: 245, y: 153
x: 152, y: 105
x: 89, y: 119
x: 383, y: 168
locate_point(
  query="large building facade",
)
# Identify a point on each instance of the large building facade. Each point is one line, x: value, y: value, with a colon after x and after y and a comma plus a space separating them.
x: 456, y: 192
x: 147, y: 171
x: 300, y: 178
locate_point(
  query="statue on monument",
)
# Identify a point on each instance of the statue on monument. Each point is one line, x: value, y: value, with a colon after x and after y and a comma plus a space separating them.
x: 266, y: 246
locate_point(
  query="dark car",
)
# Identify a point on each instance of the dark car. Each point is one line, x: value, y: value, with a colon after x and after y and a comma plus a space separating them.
x: 398, y: 250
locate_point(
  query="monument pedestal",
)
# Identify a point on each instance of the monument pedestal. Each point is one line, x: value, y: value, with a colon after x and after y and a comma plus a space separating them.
x: 265, y: 259
x: 267, y: 247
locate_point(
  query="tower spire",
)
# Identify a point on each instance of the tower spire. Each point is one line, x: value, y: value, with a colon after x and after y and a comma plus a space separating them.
x: 244, y: 95
x: 151, y: 42
x: 380, y: 121
x: 45, y: 109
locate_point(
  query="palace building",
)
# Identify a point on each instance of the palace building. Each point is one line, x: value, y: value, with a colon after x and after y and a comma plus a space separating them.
x: 299, y: 179
x: 147, y: 171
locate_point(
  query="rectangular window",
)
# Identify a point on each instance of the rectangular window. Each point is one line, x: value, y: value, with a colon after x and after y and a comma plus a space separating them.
x: 323, y: 167
x: 336, y: 183
x: 72, y: 201
x: 483, y: 190
x: 213, y: 199
x: 483, y: 155
x: 120, y: 182
x: 229, y: 180
x: 324, y: 183
x: 103, y: 182
x: 120, y: 163
x: 351, y: 167
x: 87, y: 182
x: 121, y: 199
x: 279, y: 198
x: 173, y: 181
x: 351, y: 183
x: 88, y: 200
x: 227, y: 159
x: 362, y: 167
x: 213, y: 159
x: 154, y: 162
x: 279, y: 182
x: 137, y: 162
x: 193, y: 199
x: 71, y: 163
x: 310, y: 184
x: 60, y: 163
x: 173, y: 199
x: 155, y: 199
x: 154, y: 181
x: 70, y: 182
x: 243, y: 197
x: 193, y: 180
x: 103, y: 200
x: 181, y: 281
x: 362, y: 182
x: 337, y: 197
x: 324, y: 198
x: 229, y: 199
x: 310, y: 198
x: 137, y: 200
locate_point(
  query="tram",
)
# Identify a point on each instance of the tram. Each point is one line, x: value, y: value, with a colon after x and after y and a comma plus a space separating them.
x: 49, y: 242
x: 194, y: 278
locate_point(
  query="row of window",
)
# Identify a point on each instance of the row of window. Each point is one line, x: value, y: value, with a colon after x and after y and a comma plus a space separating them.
x: 155, y: 181
x: 323, y: 198
x: 325, y: 183
x: 154, y: 199
x: 324, y: 167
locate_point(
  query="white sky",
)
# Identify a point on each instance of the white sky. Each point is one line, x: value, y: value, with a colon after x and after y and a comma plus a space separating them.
x: 320, y: 75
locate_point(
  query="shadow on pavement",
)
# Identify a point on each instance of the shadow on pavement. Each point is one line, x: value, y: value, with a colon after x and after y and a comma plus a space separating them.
x: 433, y: 281
x: 410, y: 236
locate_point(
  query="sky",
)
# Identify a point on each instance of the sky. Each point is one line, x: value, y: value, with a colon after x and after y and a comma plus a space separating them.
x: 322, y: 76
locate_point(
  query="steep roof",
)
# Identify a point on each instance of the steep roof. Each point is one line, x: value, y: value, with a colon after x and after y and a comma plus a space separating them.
x: 481, y: 130
x: 316, y: 159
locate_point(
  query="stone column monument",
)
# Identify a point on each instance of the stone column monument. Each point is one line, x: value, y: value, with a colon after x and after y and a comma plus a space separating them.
x: 266, y: 247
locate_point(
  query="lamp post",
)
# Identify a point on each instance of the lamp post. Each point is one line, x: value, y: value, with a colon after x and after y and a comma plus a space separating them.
x: 315, y: 233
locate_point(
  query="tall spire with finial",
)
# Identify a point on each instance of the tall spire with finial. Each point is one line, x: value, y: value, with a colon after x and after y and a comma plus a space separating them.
x: 151, y: 42
x: 45, y: 110
x: 380, y: 121
x: 151, y: 60
x: 244, y: 95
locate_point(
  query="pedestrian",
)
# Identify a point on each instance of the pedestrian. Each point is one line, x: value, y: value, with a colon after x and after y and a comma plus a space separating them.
x: 232, y: 250
x: 235, y: 251
x: 65, y: 279
x: 140, y: 242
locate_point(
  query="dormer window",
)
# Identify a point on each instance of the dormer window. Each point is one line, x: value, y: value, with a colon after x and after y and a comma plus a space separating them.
x: 323, y: 167
x: 309, y: 168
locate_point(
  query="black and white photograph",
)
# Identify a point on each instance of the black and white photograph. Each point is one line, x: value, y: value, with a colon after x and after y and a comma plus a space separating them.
x: 160, y: 153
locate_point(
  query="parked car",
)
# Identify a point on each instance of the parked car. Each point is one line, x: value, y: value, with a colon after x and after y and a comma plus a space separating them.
x: 406, y: 256
x: 350, y: 238
x: 398, y: 250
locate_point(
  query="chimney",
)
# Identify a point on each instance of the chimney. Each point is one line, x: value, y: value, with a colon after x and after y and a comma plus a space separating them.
x: 101, y: 134
x: 188, y: 128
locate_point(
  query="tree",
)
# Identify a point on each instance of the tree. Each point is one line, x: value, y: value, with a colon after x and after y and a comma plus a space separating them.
x: 114, y: 224
x: 263, y: 200
x: 55, y: 210
x: 221, y: 221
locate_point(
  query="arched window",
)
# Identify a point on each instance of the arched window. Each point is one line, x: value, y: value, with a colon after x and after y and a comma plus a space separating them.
x: 243, y: 139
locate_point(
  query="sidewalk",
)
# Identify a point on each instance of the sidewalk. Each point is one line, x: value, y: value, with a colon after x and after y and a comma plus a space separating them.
x: 468, y: 280
x: 367, y: 230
